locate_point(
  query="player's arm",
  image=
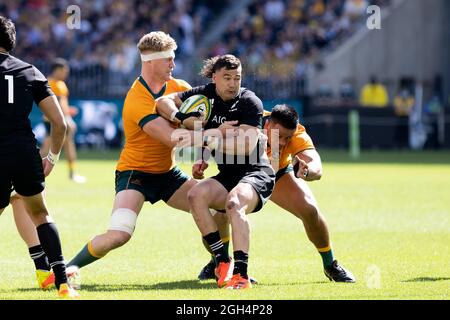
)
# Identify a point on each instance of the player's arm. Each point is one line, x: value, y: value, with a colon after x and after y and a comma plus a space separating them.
x: 52, y: 110
x: 308, y: 165
x: 49, y: 105
x: 240, y: 140
x: 167, y: 107
x: 161, y: 129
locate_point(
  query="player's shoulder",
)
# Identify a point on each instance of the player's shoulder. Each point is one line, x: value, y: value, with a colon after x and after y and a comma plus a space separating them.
x: 300, y: 129
x: 248, y: 96
x: 207, y: 89
x: 14, y: 62
x: 15, y: 65
x: 137, y: 95
x: 179, y: 84
x: 57, y: 83
x: 136, y: 89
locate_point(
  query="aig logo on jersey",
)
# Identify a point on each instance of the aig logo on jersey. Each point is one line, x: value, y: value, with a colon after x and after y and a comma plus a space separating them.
x: 219, y: 119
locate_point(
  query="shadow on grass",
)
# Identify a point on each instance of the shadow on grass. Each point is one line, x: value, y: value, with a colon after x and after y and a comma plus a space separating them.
x: 175, y: 285
x: 24, y: 290
x: 278, y: 284
x: 427, y: 279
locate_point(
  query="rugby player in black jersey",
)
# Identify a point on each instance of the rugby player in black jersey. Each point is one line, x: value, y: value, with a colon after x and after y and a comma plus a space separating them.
x: 246, y: 178
x: 22, y: 168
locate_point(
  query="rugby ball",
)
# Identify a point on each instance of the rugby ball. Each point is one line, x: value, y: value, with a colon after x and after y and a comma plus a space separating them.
x: 198, y: 103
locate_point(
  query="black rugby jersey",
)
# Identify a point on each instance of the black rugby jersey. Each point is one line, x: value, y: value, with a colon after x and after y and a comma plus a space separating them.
x: 21, y: 84
x: 247, y: 109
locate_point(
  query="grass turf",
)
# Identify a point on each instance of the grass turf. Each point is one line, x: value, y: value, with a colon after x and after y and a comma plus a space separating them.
x: 388, y: 216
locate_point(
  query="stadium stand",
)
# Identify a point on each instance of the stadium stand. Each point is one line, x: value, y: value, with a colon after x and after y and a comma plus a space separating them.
x: 277, y: 39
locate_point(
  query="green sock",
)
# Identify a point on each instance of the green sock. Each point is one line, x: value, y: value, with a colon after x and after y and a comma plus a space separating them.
x: 83, y: 258
x: 327, y: 257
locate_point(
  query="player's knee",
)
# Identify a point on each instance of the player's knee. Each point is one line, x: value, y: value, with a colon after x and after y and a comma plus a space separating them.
x: 234, y: 205
x: 37, y: 210
x: 197, y: 196
x: 117, y: 238
x: 307, y: 211
x: 123, y: 221
x: 221, y: 219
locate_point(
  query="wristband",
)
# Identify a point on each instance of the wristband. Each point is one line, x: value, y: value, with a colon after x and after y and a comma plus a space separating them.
x: 172, y: 116
x: 52, y: 158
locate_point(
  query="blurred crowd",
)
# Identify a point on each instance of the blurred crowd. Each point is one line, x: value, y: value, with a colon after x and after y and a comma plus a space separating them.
x: 109, y: 29
x: 286, y: 35
x: 281, y: 38
x: 276, y: 39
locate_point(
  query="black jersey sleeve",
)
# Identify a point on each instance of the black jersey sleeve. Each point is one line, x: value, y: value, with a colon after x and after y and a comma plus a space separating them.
x: 203, y: 90
x: 41, y: 88
x: 251, y: 110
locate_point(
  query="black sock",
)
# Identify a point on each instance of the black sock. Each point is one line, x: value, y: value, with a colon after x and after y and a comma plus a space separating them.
x: 49, y: 238
x: 240, y: 263
x: 216, y: 245
x: 39, y: 258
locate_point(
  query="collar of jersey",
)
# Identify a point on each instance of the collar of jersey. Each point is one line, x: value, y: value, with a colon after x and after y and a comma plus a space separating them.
x: 154, y: 95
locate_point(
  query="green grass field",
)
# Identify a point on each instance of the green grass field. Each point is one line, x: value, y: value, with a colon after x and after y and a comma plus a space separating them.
x: 388, y: 216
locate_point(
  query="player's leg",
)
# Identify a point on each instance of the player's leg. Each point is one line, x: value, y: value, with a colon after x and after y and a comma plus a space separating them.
x: 208, y: 194
x: 27, y: 231
x: 179, y: 200
x: 28, y: 180
x: 249, y: 195
x: 242, y: 200
x: 50, y: 241
x: 127, y: 205
x: 295, y: 196
x: 70, y: 150
x: 24, y: 225
x: 5, y: 191
x: 223, y: 225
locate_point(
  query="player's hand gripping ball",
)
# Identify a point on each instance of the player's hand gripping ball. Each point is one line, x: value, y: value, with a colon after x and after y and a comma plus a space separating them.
x: 197, y: 103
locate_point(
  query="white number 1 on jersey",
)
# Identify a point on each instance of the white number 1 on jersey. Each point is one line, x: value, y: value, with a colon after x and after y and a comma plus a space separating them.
x: 10, y: 88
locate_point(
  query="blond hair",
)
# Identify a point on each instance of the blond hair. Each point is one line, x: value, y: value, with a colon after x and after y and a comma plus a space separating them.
x: 156, y: 41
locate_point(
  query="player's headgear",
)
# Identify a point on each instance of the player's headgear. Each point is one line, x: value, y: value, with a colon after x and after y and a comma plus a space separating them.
x: 156, y: 45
